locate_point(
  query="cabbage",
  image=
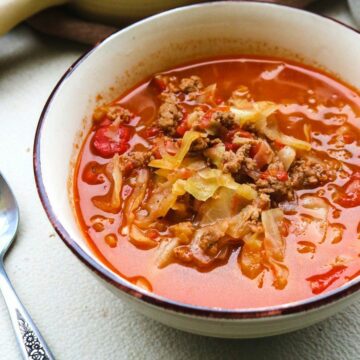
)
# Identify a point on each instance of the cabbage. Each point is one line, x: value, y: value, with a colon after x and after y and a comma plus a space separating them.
x: 273, y: 133
x: 165, y: 252
x: 256, y: 113
x: 236, y: 225
x: 250, y: 258
x: 287, y: 156
x: 160, y: 202
x: 200, y: 251
x: 207, y: 95
x: 182, y: 234
x: 204, y: 184
x: 216, y: 154
x: 264, y: 154
x: 111, y: 202
x: 274, y: 243
x: 172, y: 162
x: 139, y: 239
x: 252, y: 112
x: 137, y: 196
x: 318, y: 209
x: 274, y: 246
x: 220, y: 206
x: 281, y: 274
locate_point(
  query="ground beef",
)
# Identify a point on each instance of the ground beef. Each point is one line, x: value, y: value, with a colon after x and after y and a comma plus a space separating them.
x: 200, y: 144
x: 234, y: 161
x: 277, y: 188
x: 183, y: 253
x: 114, y: 113
x: 262, y: 202
x: 310, y: 173
x: 226, y: 119
x: 135, y: 159
x: 169, y: 116
x: 191, y: 85
x: 210, y: 240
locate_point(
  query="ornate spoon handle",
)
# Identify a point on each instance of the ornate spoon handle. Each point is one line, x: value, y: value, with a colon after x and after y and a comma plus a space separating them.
x: 31, y: 343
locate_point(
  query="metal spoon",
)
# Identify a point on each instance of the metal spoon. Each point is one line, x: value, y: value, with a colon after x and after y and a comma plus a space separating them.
x: 31, y: 343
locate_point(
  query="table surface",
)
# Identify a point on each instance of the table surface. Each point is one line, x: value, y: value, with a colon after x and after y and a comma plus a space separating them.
x: 80, y: 318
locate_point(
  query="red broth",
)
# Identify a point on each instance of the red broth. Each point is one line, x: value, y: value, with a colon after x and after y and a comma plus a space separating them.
x: 316, y: 265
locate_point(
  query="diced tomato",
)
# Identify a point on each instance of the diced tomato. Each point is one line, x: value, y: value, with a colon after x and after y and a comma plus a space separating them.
x: 231, y: 146
x: 282, y: 175
x: 218, y: 101
x: 152, y: 131
x: 262, y: 153
x: 108, y: 141
x: 152, y: 234
x: 105, y: 122
x: 93, y: 174
x: 156, y: 153
x: 229, y: 138
x: 159, y: 83
x: 183, y: 127
x: 321, y: 282
x: 278, y: 144
x: 264, y: 175
x: 351, y: 195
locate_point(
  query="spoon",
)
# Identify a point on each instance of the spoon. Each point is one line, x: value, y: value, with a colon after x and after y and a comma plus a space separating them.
x: 31, y: 343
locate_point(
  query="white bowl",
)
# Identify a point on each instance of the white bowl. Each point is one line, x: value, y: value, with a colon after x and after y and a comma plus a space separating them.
x: 155, y: 44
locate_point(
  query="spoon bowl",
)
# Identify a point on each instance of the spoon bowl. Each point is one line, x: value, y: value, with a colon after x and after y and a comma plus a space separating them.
x: 9, y: 217
x: 20, y: 318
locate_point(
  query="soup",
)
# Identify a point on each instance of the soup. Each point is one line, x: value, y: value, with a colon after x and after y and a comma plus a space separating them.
x: 231, y: 183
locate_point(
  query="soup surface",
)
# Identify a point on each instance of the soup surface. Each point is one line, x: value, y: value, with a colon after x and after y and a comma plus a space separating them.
x: 230, y: 183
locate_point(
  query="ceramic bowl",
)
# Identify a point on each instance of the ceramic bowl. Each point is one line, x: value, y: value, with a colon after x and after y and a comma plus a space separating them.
x: 153, y: 45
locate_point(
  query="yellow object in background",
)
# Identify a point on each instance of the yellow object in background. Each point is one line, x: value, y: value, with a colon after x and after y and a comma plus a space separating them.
x: 13, y: 12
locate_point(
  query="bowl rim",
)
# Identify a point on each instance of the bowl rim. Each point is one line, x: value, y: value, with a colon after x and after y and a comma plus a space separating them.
x: 126, y: 287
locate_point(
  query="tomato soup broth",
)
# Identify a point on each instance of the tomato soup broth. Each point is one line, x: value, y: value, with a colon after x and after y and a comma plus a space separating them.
x: 320, y: 242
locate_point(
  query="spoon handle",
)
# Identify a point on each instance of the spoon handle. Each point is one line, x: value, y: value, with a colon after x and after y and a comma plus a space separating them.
x: 31, y: 343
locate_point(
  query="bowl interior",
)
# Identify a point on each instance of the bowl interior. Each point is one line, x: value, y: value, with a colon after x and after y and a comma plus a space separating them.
x: 162, y: 42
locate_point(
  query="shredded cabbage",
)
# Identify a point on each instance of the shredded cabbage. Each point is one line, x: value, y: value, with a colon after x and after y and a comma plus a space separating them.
x: 204, y: 184
x: 287, y: 156
x: 236, y: 226
x: 138, y: 238
x: 252, y: 112
x: 216, y: 154
x: 111, y: 202
x: 274, y: 243
x: 207, y: 95
x: 137, y: 196
x: 273, y: 133
x: 220, y: 206
x: 274, y: 246
x: 172, y: 162
x: 165, y: 252
x: 318, y: 209
x: 250, y: 257
x: 257, y: 113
